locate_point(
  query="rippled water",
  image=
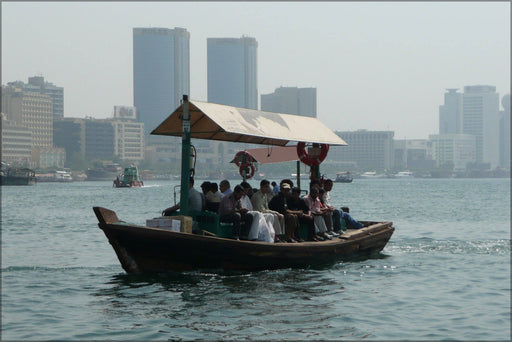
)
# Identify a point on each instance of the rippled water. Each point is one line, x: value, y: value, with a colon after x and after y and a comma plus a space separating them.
x: 445, y: 273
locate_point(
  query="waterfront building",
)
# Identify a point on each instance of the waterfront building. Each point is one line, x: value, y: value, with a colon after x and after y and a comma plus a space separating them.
x: 69, y: 134
x: 101, y: 139
x: 504, y: 136
x: 232, y: 71
x: 459, y: 149
x: 480, y: 110
x: 16, y: 142
x: 32, y: 110
x: 129, y: 140
x: 413, y: 154
x: 369, y: 150
x: 161, y: 72
x: 290, y: 100
x: 450, y: 113
x: 37, y: 84
x: 49, y: 157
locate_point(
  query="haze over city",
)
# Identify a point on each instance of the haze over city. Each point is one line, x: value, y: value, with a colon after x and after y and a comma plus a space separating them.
x: 376, y: 65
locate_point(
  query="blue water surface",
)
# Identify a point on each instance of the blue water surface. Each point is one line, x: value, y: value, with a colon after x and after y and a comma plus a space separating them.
x: 444, y: 275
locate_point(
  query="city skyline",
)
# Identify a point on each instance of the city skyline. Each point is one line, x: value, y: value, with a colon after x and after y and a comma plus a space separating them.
x: 375, y: 65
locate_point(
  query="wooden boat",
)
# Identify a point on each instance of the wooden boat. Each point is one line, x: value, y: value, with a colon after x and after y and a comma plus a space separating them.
x: 20, y: 176
x: 153, y: 249
x: 142, y: 249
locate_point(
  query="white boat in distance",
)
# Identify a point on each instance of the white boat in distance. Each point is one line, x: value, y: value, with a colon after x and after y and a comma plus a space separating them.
x: 372, y: 175
x: 404, y: 174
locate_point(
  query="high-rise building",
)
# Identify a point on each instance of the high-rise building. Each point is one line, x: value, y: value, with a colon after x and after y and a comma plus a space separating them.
x: 290, y: 100
x: 450, y: 113
x: 232, y: 71
x: 32, y: 110
x: 37, y: 84
x: 161, y: 72
x: 480, y: 112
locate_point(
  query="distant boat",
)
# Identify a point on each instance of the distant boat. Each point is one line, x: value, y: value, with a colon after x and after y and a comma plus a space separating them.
x: 129, y: 178
x: 17, y: 176
x: 63, y: 176
x: 343, y: 177
x: 404, y: 174
x: 372, y: 175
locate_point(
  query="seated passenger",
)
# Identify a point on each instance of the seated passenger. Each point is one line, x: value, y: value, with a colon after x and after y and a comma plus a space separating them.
x: 279, y: 203
x: 298, y: 206
x: 338, y: 214
x: 232, y: 211
x: 318, y: 212
x: 260, y: 201
x: 212, y: 196
x: 258, y: 222
x: 225, y: 187
x: 195, y: 200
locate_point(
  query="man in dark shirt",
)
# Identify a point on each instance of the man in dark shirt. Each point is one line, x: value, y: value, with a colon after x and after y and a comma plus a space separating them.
x: 299, y: 207
x: 279, y: 203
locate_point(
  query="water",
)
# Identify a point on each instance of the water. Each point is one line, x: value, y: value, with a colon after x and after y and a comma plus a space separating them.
x: 445, y: 273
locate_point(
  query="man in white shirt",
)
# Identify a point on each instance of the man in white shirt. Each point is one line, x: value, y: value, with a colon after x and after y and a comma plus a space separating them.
x: 260, y: 201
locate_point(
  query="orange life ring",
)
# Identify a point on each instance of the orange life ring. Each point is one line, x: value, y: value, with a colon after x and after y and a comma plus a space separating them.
x: 243, y: 157
x: 248, y: 168
x: 308, y: 160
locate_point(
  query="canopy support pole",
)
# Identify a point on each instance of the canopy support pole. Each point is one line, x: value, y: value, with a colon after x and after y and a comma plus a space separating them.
x: 185, y: 157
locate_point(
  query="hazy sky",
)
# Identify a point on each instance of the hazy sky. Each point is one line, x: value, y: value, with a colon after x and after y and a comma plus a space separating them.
x: 376, y: 65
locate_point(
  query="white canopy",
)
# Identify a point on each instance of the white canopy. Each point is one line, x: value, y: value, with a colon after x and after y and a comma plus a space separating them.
x: 219, y: 122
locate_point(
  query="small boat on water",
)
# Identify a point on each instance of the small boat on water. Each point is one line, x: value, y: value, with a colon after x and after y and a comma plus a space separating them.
x: 372, y: 175
x: 129, y: 178
x: 404, y: 174
x: 17, y: 176
x: 198, y: 240
x: 343, y: 177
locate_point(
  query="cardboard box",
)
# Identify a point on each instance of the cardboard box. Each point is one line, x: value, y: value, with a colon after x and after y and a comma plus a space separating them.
x: 174, y: 223
x: 185, y: 223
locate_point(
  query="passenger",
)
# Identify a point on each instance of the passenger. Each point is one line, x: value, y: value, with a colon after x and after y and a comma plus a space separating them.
x: 260, y: 201
x: 298, y: 206
x: 258, y: 220
x: 196, y: 200
x: 216, y: 195
x: 328, y: 217
x: 225, y: 187
x: 212, y: 196
x: 279, y: 203
x: 232, y: 211
x: 288, y: 181
x: 205, y: 187
x: 246, y: 199
x: 318, y: 212
x: 338, y: 214
x: 247, y: 189
x: 275, y: 188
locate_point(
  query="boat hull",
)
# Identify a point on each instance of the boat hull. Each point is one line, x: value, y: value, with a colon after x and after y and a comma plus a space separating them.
x: 143, y: 249
x: 17, y: 180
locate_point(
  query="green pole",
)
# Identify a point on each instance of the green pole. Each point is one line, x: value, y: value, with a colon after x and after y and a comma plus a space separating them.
x: 185, y: 157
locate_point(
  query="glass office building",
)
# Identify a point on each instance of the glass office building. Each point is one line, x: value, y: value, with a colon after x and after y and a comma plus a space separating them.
x: 232, y: 71
x: 161, y: 72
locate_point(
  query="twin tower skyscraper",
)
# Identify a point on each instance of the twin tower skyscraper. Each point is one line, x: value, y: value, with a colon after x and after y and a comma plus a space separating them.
x: 161, y: 72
